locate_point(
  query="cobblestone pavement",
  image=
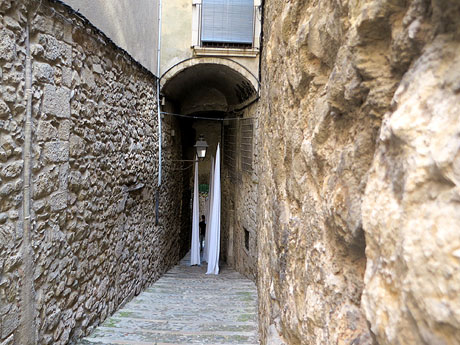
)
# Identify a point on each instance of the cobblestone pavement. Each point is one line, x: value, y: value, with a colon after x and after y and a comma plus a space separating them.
x: 186, y: 306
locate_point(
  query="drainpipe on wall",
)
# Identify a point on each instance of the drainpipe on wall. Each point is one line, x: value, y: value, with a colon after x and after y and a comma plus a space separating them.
x: 27, y: 326
x: 261, y: 40
x: 159, y: 114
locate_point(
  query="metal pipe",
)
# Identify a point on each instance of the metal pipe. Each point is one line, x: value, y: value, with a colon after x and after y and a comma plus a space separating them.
x: 27, y: 326
x: 157, y: 194
x: 158, y: 94
x: 261, y: 39
x: 199, y: 24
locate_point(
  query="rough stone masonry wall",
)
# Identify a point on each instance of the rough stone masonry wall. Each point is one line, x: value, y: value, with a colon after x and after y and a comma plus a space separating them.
x: 358, y: 217
x: 239, y: 197
x: 92, y: 243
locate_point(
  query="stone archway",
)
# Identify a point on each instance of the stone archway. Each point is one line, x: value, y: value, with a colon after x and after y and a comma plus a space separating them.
x: 204, y: 84
x: 204, y: 92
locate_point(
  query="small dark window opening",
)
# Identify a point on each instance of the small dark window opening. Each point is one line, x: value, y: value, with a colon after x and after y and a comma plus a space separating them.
x: 246, y: 239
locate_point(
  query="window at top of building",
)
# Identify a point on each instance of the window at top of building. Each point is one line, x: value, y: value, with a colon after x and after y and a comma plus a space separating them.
x: 227, y: 23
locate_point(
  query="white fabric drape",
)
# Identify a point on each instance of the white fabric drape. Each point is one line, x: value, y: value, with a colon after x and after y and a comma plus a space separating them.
x: 208, y: 213
x: 195, y: 250
x: 214, y: 233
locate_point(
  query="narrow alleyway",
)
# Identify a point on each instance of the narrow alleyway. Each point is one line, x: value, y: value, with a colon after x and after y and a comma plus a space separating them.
x: 185, y: 307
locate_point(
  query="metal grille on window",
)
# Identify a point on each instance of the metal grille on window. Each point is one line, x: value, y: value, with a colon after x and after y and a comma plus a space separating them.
x: 247, y: 131
x: 230, y: 131
x: 227, y: 22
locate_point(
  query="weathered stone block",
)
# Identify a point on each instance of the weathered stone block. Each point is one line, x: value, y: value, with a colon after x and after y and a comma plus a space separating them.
x: 12, y: 170
x: 13, y: 214
x: 64, y: 129
x: 13, y: 77
x: 46, y: 131
x: 5, y: 5
x: 65, y: 335
x: 58, y: 331
x: 56, y: 101
x: 9, y: 94
x: 55, y: 49
x: 37, y: 50
x: 64, y: 176
x: 7, y: 45
x: 44, y: 184
x: 12, y: 24
x: 76, y: 146
x: 97, y: 68
x: 58, y: 201
x: 56, y: 152
x: 4, y: 110
x: 87, y: 78
x: 60, y: 288
x: 12, y: 262
x: 67, y: 76
x: 6, y: 189
x: 9, y: 323
x: 43, y: 72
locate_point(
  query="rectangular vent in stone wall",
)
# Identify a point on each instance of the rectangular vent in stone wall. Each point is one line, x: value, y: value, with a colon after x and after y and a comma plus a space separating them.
x: 247, y: 132
x: 230, y: 132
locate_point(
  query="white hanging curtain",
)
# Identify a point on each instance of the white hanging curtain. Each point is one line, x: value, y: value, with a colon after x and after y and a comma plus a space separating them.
x: 195, y: 250
x: 208, y: 213
x: 214, y: 233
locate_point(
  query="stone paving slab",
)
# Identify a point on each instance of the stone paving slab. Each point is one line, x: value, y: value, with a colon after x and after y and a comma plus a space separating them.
x: 186, y: 306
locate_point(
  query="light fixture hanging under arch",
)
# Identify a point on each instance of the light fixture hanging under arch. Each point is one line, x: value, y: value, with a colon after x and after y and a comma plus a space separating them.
x: 201, y: 147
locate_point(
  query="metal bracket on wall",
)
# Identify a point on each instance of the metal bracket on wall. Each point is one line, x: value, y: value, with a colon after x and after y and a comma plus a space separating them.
x: 133, y: 188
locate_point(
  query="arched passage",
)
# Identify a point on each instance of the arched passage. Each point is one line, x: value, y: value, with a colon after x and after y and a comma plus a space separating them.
x: 204, y: 84
x: 204, y: 92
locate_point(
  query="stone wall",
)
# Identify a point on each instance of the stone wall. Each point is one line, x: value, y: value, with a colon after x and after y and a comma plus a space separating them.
x: 411, y: 210
x: 239, y: 193
x: 12, y: 123
x: 359, y: 184
x: 78, y: 173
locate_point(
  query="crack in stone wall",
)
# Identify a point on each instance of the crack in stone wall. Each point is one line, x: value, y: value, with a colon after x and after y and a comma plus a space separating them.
x: 93, y: 239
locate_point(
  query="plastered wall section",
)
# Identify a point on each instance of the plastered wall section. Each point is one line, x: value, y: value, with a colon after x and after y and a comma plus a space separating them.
x: 132, y: 25
x: 179, y: 36
x: 93, y: 242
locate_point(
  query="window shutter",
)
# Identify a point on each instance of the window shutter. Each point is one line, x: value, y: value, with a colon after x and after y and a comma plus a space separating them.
x: 227, y: 21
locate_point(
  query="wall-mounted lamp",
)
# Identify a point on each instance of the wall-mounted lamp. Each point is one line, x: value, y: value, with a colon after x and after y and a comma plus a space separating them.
x: 201, y: 146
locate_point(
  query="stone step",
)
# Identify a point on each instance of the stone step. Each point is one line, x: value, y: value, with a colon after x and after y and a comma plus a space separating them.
x: 100, y: 341
x: 182, y: 324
